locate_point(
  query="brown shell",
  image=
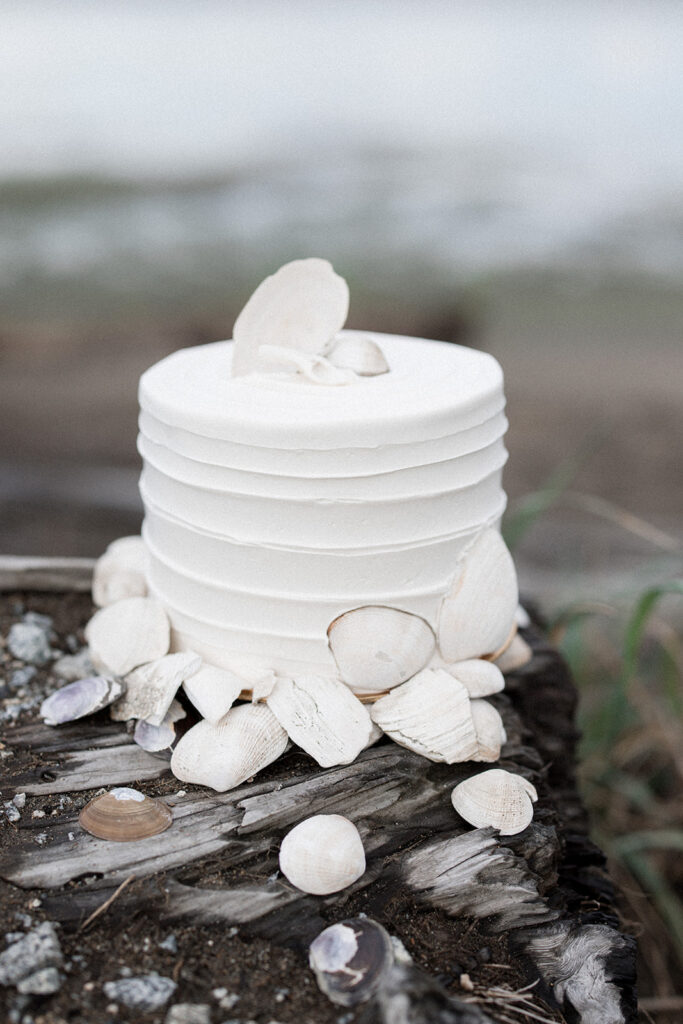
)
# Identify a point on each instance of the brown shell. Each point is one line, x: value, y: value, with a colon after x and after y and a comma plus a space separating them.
x: 125, y: 819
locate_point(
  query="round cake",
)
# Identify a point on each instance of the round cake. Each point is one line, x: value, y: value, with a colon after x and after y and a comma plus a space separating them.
x: 274, y: 504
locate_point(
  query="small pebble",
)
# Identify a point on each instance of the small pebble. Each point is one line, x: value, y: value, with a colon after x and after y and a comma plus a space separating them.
x: 145, y: 993
x: 466, y: 983
x: 29, y: 643
x: 38, y: 814
x: 41, y: 839
x: 11, y: 811
x: 73, y: 667
x: 11, y: 937
x: 37, y: 619
x: 170, y: 944
x: 42, y: 983
x: 21, y: 677
x: 189, y: 1013
x: 229, y: 1000
x: 19, y: 800
x: 36, y: 950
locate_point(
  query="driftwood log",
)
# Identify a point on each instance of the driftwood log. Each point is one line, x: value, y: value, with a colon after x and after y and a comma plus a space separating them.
x: 545, y: 892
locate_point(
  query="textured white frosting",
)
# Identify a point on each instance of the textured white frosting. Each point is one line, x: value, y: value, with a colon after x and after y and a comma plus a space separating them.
x: 274, y: 504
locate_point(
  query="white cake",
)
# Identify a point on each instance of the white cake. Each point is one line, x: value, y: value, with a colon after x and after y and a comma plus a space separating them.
x: 274, y: 504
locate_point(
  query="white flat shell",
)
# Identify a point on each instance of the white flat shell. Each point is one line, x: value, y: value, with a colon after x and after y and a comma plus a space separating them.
x: 151, y: 688
x: 490, y: 730
x: 482, y: 678
x: 478, y: 613
x: 517, y: 655
x: 376, y: 647
x: 302, y: 306
x: 322, y: 854
x: 213, y: 691
x: 121, y: 572
x: 358, y: 353
x: 430, y: 715
x: 496, y: 798
x: 323, y: 717
x: 127, y: 634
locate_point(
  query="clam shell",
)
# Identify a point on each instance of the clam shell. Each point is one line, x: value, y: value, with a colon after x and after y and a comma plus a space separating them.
x: 322, y: 854
x: 488, y: 725
x: 481, y: 678
x: 358, y: 353
x: 350, y: 960
x: 478, y: 612
x: 322, y: 716
x: 228, y: 753
x: 496, y: 798
x: 151, y: 688
x: 121, y: 572
x: 124, y: 816
x: 159, y: 737
x: 302, y: 306
x: 430, y: 715
x: 213, y: 691
x: 376, y: 647
x: 517, y: 655
x: 84, y: 697
x: 127, y: 634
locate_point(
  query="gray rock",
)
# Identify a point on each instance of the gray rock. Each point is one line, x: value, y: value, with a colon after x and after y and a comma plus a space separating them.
x: 189, y: 1013
x: 145, y: 993
x: 21, y: 677
x: 42, y: 983
x: 19, y: 800
x: 11, y: 811
x: 11, y: 937
x: 36, y: 619
x: 170, y: 944
x: 29, y: 642
x: 39, y: 949
x: 73, y: 667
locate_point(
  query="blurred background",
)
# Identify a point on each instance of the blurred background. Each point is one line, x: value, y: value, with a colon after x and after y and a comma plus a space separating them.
x: 508, y: 175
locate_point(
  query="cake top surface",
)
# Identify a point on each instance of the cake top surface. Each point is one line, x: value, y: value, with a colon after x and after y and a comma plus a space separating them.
x: 436, y: 388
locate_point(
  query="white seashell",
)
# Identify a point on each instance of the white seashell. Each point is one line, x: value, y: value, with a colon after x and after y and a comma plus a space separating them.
x: 518, y: 654
x: 83, y: 697
x: 490, y: 730
x: 151, y: 688
x: 323, y: 717
x: 481, y: 678
x: 496, y: 798
x: 322, y: 854
x: 159, y: 737
x: 120, y: 572
x: 376, y: 648
x: 224, y: 755
x: 263, y: 687
x: 213, y: 691
x: 430, y: 715
x: 522, y: 617
x: 478, y: 613
x: 351, y: 960
x: 315, y: 368
x: 375, y: 735
x: 303, y: 305
x: 127, y: 634
x: 357, y: 353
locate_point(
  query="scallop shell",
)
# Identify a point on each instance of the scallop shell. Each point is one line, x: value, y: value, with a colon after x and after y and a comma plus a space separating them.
x: 213, y: 691
x: 322, y: 854
x: 323, y: 717
x: 481, y: 678
x: 517, y: 655
x: 127, y: 634
x: 376, y: 647
x: 430, y: 715
x: 303, y: 305
x: 478, y: 613
x: 228, y: 753
x: 490, y: 730
x: 124, y: 816
x: 357, y: 353
x: 121, y: 572
x: 84, y: 697
x: 151, y: 688
x: 351, y: 959
x: 159, y: 737
x: 496, y: 798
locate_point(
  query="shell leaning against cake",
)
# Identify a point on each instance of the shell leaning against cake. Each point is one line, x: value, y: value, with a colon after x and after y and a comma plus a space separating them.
x: 320, y: 558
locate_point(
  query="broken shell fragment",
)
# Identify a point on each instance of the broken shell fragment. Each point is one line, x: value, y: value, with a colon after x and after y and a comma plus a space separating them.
x: 127, y: 634
x: 496, y: 798
x: 358, y: 353
x: 315, y: 368
x: 478, y: 613
x: 481, y: 678
x: 124, y: 816
x: 322, y: 854
x: 323, y: 717
x: 303, y: 305
x: 350, y: 960
x: 151, y: 688
x: 121, y: 572
x: 154, y: 738
x: 517, y: 655
x: 430, y: 715
x: 213, y: 691
x: 84, y: 697
x: 488, y: 725
x: 228, y: 753
x: 376, y: 647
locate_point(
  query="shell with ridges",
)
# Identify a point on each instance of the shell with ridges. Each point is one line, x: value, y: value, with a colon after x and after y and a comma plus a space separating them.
x: 213, y: 691
x: 350, y: 960
x: 127, y: 634
x: 496, y: 798
x: 120, y: 572
x: 125, y: 815
x: 322, y: 716
x: 322, y: 854
x: 377, y: 648
x: 478, y: 612
x: 302, y: 306
x: 357, y: 353
x: 224, y: 755
x: 430, y: 715
x: 151, y: 688
x: 83, y: 697
x: 490, y: 730
x: 481, y: 678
